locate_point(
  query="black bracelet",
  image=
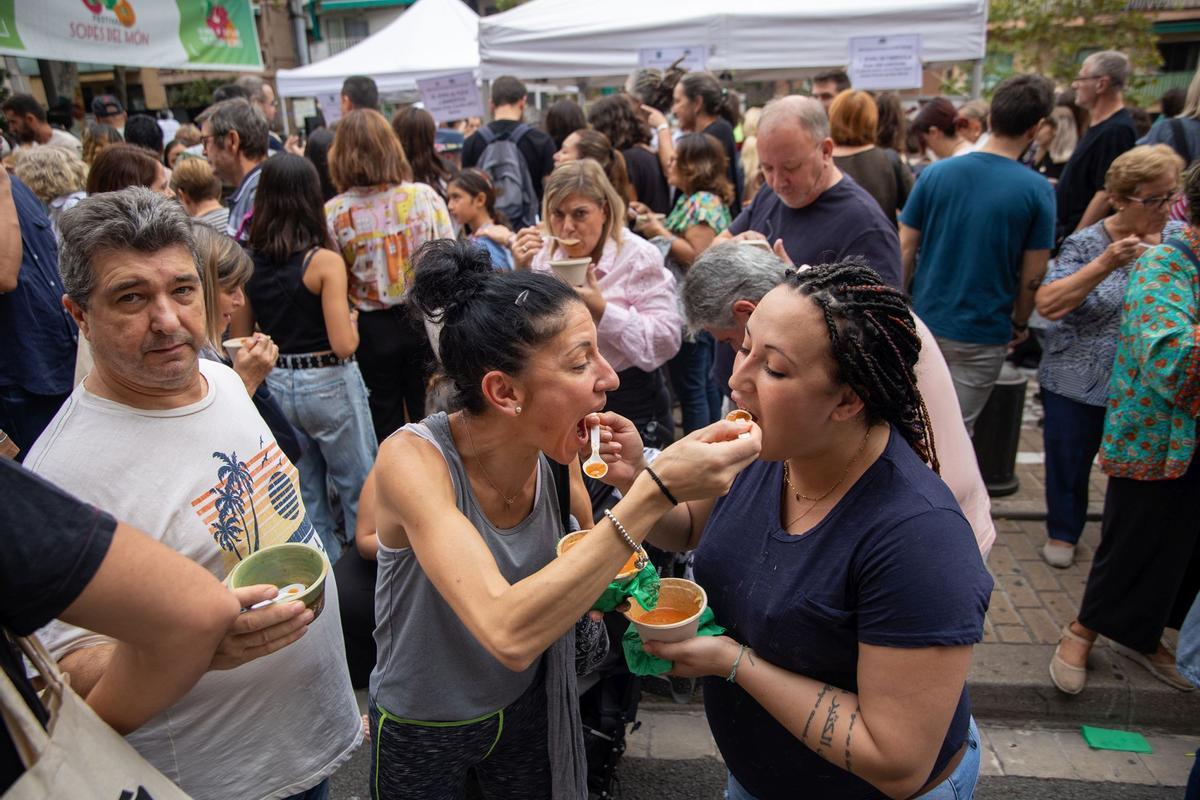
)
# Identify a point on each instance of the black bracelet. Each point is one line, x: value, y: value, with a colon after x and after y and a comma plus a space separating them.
x: 662, y: 486
x: 1019, y: 328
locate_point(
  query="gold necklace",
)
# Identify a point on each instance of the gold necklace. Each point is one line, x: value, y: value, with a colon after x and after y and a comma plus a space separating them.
x: 814, y: 500
x: 508, y: 501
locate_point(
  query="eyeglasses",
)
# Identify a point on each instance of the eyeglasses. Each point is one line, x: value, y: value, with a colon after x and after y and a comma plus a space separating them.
x: 1082, y: 78
x: 1155, y: 203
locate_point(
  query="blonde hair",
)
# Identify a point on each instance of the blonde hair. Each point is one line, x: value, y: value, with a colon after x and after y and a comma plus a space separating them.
x: 1191, y: 105
x: 853, y: 118
x: 750, y: 121
x: 1066, y: 135
x: 223, y: 264
x: 194, y: 178
x: 586, y: 178
x: 1140, y: 165
x: 50, y: 171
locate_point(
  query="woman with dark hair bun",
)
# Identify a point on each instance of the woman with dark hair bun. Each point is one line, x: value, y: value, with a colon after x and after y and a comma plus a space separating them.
x: 297, y: 296
x: 121, y: 165
x: 562, y: 119
x: 937, y: 129
x: 702, y: 105
x: 850, y: 585
x: 469, y: 514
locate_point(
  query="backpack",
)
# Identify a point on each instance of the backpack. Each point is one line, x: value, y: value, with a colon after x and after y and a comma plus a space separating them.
x: 516, y: 198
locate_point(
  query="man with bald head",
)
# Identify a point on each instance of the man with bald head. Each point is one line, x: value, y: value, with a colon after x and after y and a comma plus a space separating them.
x: 808, y: 209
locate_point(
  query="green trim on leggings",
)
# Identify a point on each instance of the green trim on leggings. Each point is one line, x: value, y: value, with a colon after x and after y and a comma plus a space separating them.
x: 385, y: 715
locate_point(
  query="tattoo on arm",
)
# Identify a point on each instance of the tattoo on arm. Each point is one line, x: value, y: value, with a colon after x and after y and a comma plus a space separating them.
x: 831, y: 718
x: 813, y: 713
x: 849, y: 733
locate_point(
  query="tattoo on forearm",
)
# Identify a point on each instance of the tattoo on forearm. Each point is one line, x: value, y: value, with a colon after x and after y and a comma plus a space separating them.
x: 830, y: 721
x: 849, y: 732
x: 813, y: 713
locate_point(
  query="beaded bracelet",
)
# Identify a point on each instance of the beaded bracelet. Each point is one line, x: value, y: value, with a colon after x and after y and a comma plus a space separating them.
x: 642, y: 558
x: 662, y: 486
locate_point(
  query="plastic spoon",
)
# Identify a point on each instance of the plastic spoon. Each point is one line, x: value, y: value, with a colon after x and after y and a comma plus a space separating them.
x: 595, y: 467
x: 563, y: 242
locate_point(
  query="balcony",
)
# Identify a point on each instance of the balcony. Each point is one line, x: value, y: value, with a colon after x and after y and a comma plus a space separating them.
x: 336, y: 44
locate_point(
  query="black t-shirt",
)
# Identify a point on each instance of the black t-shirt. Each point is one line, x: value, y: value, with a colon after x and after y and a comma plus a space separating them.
x: 1084, y: 174
x: 723, y: 131
x: 536, y: 146
x: 53, y: 544
x: 844, y: 221
x: 646, y: 175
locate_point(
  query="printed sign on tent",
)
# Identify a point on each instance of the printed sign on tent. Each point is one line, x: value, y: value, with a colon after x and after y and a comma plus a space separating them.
x: 885, y: 62
x: 694, y: 57
x: 450, y: 97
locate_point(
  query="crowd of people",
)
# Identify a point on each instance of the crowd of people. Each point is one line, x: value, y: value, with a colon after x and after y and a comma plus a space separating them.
x: 221, y: 340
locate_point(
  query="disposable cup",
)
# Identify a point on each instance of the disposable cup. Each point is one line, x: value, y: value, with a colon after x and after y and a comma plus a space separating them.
x: 571, y: 270
x: 680, y: 604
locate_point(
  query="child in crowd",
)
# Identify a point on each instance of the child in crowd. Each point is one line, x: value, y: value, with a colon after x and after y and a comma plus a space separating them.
x: 471, y: 198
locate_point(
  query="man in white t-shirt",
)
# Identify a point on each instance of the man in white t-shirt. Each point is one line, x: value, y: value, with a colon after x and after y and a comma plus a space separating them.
x: 174, y: 445
x: 28, y: 123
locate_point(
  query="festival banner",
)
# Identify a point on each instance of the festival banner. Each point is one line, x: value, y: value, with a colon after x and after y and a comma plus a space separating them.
x: 178, y: 34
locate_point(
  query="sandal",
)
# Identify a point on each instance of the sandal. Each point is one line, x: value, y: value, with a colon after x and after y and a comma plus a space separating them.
x: 1163, y: 670
x: 1068, y: 677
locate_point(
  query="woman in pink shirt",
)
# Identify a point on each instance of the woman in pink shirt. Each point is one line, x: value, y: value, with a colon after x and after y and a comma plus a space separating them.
x: 629, y: 292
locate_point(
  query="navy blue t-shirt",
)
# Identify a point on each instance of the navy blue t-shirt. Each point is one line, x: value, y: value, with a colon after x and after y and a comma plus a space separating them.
x: 39, y: 335
x: 844, y: 221
x: 893, y: 564
x: 977, y: 215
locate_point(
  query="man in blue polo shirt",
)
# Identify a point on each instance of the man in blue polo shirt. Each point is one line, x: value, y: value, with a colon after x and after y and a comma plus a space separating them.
x: 984, y: 226
x: 37, y: 359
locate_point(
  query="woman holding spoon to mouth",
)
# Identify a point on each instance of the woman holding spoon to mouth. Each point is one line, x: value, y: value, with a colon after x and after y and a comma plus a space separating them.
x: 628, y: 291
x: 476, y: 660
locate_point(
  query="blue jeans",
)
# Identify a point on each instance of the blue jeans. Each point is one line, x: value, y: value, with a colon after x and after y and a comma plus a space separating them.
x: 959, y: 786
x: 1071, y: 437
x: 691, y: 379
x: 328, y: 406
x: 318, y: 792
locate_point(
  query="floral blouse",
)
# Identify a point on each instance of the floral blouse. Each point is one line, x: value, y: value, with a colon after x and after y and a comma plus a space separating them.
x: 1080, y: 347
x: 378, y: 229
x: 701, y: 208
x: 1154, y: 397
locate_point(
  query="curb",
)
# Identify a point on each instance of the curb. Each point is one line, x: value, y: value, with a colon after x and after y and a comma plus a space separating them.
x: 1024, y: 510
x: 1011, y: 683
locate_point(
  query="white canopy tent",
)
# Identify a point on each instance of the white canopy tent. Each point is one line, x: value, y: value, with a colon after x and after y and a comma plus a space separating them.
x: 570, y: 39
x: 433, y: 37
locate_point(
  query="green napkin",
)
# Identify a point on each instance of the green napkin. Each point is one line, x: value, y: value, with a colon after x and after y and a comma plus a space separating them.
x: 1109, y: 739
x: 642, y: 663
x: 641, y: 586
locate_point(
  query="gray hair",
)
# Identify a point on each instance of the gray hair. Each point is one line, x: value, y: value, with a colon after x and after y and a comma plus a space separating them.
x: 1109, y: 64
x: 131, y: 219
x: 238, y: 115
x: 253, y: 86
x: 804, y: 112
x: 721, y: 276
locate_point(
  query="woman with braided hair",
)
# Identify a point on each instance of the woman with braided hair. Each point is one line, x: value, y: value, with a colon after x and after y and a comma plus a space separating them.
x: 850, y: 584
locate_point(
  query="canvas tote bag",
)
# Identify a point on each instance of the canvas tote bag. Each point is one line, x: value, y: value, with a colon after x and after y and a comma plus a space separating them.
x: 77, y: 755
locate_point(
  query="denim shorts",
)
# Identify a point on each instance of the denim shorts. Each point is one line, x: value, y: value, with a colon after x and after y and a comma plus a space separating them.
x: 959, y: 786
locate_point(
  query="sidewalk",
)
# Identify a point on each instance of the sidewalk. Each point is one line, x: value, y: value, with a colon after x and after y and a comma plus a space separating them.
x: 1030, y: 604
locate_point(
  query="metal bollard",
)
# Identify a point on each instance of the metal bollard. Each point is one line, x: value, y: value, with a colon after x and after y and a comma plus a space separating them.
x: 998, y: 433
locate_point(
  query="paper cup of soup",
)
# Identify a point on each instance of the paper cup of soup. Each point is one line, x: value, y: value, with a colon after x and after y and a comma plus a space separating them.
x: 572, y: 270
x: 233, y: 345
x: 677, y: 615
x: 571, y: 539
x: 297, y: 570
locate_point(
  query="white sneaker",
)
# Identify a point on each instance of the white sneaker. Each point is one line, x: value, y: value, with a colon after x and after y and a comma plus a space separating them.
x: 1059, y: 557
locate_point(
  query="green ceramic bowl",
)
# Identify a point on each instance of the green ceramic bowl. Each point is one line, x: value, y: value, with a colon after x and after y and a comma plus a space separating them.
x: 281, y: 564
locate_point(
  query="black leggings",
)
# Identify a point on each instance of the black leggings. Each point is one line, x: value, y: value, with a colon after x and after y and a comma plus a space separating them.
x: 507, y: 750
x: 395, y: 359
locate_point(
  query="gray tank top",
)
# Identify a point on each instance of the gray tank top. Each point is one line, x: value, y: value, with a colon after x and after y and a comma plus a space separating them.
x: 429, y: 667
